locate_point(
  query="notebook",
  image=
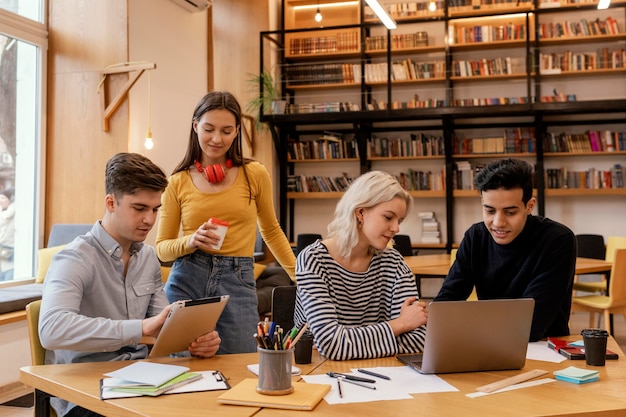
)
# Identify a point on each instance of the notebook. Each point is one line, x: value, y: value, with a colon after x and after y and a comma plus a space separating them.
x: 467, y: 336
x: 187, y: 320
x: 304, y: 396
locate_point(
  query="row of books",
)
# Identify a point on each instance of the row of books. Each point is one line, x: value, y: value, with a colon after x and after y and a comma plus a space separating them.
x: 420, y: 144
x: 463, y: 175
x: 414, y: 103
x: 564, y: 3
x: 558, y: 98
x: 323, y: 148
x: 414, y: 180
x: 486, y: 33
x: 326, y: 107
x: 399, y: 41
x: 567, y: 29
x: 592, y: 178
x: 316, y: 74
x: 513, y: 140
x: 588, y: 141
x: 483, y: 67
x: 317, y: 183
x: 430, y: 227
x: 342, y: 42
x: 405, y: 9
x: 488, y: 101
x: 405, y: 70
x: 570, y: 61
x: 480, y: 4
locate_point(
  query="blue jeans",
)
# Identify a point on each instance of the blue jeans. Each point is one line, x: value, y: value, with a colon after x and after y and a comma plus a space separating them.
x: 200, y: 275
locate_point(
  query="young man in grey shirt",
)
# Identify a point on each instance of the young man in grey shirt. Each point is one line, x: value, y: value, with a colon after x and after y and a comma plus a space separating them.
x: 103, y: 291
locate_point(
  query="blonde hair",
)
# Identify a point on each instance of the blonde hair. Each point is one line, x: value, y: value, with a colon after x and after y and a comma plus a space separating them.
x: 368, y: 190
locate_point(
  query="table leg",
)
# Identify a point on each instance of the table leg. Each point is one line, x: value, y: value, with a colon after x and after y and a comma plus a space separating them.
x: 42, y: 404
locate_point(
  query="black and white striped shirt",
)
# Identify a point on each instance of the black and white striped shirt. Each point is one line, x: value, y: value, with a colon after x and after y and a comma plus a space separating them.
x: 348, y: 312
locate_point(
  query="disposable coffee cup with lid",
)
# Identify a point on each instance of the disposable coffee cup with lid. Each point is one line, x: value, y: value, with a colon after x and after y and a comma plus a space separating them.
x: 222, y: 227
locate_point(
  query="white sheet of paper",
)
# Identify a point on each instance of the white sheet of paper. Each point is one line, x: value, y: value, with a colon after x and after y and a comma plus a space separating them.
x: 539, y: 351
x: 526, y: 384
x: 404, y: 382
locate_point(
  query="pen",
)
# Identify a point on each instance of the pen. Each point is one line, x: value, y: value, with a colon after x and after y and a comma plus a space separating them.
x: 365, y: 371
x: 299, y: 335
x: 339, y: 387
x: 360, y: 384
x: 350, y: 377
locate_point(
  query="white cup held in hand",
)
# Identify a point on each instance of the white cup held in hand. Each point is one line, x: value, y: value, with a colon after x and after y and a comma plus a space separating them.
x: 222, y: 227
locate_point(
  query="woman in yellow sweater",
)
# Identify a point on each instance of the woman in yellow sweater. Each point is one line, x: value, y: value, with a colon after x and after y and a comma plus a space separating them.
x: 214, y: 180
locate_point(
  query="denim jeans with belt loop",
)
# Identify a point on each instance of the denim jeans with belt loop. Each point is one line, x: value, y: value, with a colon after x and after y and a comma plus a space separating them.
x: 200, y: 275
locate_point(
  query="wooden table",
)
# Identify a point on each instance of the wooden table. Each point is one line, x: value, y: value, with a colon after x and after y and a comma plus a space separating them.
x: 603, y: 398
x: 79, y: 383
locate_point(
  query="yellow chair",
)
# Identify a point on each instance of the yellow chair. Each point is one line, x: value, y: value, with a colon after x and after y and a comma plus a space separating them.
x: 37, y: 352
x: 612, y: 244
x: 614, y: 302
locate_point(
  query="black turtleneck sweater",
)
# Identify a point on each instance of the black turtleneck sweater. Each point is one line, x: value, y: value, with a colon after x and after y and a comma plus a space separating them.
x: 538, y: 264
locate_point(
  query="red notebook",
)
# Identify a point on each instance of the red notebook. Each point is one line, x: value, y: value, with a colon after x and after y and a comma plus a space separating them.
x: 573, y: 352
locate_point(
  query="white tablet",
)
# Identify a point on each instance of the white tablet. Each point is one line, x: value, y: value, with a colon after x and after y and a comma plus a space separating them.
x: 186, y: 321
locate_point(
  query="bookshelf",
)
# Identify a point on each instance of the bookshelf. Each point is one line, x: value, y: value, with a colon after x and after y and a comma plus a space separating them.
x: 488, y: 80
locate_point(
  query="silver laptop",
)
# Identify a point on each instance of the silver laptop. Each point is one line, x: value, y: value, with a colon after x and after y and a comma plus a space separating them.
x: 466, y: 336
x: 186, y: 321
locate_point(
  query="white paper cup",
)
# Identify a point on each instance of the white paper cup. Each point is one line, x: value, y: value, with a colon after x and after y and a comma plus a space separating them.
x: 222, y: 227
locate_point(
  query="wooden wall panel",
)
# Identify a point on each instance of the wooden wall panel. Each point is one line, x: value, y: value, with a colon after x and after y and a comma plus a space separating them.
x: 85, y: 37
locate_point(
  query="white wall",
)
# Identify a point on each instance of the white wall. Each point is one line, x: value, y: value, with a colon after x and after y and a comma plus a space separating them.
x: 14, y: 351
x: 176, y: 40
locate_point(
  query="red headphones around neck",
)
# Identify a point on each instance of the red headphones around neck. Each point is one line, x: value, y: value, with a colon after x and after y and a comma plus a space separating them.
x: 214, y: 173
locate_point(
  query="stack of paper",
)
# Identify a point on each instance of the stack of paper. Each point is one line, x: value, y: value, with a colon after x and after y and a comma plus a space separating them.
x: 576, y: 375
x: 148, y: 378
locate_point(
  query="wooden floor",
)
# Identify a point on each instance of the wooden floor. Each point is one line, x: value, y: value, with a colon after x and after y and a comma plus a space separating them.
x: 578, y: 322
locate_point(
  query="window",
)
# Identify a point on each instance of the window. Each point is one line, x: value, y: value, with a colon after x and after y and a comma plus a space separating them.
x: 23, y: 47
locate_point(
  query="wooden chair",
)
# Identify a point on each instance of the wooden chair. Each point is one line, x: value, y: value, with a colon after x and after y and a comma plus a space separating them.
x: 37, y: 352
x: 612, y: 244
x: 614, y: 302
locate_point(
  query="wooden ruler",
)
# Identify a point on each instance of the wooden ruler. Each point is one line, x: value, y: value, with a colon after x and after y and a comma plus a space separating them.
x: 512, y: 380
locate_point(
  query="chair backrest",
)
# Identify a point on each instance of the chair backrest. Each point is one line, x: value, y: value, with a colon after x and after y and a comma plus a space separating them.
x: 617, y: 283
x: 613, y: 243
x: 61, y: 233
x: 402, y: 243
x: 283, y: 305
x: 591, y: 246
x: 37, y: 352
x: 305, y: 239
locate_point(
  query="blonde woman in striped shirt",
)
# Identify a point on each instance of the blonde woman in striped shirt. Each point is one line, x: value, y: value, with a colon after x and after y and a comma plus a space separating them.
x: 356, y: 292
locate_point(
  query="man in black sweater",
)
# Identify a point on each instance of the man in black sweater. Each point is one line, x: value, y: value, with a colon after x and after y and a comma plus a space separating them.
x: 513, y: 254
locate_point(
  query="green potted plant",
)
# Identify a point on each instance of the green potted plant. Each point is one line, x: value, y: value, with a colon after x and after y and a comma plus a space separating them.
x: 267, y: 98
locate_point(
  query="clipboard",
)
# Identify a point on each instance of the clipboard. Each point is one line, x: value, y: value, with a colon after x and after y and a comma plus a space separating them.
x: 186, y: 321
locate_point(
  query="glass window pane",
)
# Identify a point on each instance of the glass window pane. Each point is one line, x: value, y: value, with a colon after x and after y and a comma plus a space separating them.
x: 20, y: 69
x: 31, y: 9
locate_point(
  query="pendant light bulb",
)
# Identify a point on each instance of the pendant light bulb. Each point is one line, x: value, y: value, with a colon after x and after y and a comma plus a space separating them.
x: 432, y: 6
x: 148, y: 144
x: 318, y: 15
